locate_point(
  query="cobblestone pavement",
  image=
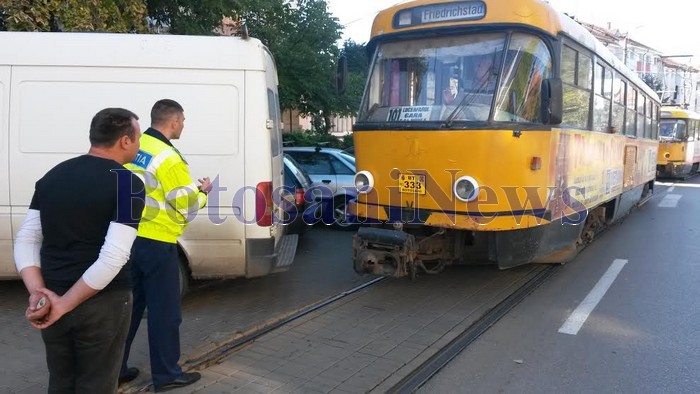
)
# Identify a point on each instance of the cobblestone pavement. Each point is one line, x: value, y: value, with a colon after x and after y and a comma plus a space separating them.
x: 212, y: 314
x: 366, y: 342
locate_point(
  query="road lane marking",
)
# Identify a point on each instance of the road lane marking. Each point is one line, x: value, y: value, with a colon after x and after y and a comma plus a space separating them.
x: 670, y: 201
x: 671, y: 189
x: 579, y: 316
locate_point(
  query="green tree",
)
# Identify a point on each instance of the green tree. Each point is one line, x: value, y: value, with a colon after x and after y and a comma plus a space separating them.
x: 302, y: 38
x: 358, y: 67
x: 301, y: 35
x: 74, y: 15
x: 195, y: 17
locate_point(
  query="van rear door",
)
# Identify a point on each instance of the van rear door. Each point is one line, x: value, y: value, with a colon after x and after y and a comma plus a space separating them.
x: 285, y: 245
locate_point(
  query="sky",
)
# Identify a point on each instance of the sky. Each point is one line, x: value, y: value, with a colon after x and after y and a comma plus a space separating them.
x: 666, y: 25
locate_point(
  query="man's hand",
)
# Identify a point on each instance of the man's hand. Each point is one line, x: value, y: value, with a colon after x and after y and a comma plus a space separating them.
x: 39, y: 307
x: 55, y: 312
x: 205, y: 184
x: 447, y: 96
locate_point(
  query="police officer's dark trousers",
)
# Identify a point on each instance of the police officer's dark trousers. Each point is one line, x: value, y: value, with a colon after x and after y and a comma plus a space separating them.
x: 156, y: 280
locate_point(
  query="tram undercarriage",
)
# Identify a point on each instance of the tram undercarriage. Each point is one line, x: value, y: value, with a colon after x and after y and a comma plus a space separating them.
x: 406, y: 250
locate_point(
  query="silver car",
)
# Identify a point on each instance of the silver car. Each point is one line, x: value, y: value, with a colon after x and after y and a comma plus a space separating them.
x: 332, y: 172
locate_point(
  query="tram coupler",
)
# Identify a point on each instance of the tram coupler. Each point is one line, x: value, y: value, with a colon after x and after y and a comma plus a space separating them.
x: 384, y: 252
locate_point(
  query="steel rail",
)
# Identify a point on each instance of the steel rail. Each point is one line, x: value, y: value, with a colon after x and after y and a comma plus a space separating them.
x: 225, y: 350
x: 419, y: 376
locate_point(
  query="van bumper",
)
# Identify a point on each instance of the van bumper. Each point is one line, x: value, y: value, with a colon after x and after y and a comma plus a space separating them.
x: 262, y: 258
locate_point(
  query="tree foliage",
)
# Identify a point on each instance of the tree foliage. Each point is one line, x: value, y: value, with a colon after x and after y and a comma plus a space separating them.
x: 74, y: 15
x: 358, y: 66
x: 196, y: 17
x: 303, y: 40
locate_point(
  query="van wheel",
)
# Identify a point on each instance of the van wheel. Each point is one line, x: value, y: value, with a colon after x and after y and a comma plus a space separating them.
x: 340, y: 206
x: 184, y: 276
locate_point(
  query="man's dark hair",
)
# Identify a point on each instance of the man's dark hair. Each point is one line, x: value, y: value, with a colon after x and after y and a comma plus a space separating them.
x: 111, y: 124
x: 163, y: 109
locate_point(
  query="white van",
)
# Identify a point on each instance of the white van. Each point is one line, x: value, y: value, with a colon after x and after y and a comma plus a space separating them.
x: 52, y: 84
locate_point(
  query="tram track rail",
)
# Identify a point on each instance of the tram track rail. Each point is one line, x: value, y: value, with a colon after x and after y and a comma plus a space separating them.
x: 212, y: 357
x: 419, y: 376
x: 425, y: 371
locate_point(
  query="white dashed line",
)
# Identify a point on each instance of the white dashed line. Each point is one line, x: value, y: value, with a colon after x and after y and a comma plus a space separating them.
x: 670, y: 201
x: 574, y: 323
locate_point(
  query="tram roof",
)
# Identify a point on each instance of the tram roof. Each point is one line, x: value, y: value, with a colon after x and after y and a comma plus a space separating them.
x: 678, y: 112
x: 531, y: 13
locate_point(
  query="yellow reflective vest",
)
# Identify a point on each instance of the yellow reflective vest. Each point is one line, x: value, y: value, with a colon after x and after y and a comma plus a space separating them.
x: 172, y: 197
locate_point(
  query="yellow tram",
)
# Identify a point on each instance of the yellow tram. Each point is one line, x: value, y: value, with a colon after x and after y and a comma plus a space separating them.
x: 494, y: 131
x: 679, y: 147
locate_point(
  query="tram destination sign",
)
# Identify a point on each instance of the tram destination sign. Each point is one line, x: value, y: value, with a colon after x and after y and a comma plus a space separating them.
x: 445, y: 12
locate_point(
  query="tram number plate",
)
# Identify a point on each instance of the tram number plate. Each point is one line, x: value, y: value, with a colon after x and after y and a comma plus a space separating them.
x: 410, y: 183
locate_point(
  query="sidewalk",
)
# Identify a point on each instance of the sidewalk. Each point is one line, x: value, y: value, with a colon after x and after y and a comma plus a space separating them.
x: 366, y: 342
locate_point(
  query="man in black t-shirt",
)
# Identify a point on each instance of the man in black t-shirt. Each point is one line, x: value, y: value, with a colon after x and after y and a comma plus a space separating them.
x: 71, y: 251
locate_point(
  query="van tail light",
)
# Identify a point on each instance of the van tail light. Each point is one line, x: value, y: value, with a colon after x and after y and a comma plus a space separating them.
x: 299, y: 196
x: 263, y: 204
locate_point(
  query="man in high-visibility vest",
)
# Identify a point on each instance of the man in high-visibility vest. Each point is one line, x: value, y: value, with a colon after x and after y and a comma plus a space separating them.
x: 172, y: 200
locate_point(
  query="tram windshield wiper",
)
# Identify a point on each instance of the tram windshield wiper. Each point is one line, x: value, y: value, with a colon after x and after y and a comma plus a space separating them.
x: 460, y: 105
x: 468, y: 99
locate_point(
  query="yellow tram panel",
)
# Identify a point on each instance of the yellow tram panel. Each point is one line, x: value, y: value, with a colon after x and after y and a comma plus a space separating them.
x: 591, y: 167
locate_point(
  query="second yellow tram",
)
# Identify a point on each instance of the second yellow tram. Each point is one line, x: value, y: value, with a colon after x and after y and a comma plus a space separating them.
x: 679, y: 144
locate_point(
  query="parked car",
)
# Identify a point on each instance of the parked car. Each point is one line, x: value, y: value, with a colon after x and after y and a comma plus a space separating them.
x: 332, y: 172
x: 297, y: 182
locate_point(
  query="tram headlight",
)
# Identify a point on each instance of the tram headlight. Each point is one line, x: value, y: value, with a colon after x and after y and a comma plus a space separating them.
x: 466, y: 189
x: 364, y: 181
x: 667, y: 155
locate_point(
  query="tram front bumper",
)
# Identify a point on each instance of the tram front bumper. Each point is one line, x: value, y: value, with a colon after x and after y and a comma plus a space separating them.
x: 673, y: 169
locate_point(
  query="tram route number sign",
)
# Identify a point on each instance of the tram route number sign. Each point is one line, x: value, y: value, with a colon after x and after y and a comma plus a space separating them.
x: 409, y: 114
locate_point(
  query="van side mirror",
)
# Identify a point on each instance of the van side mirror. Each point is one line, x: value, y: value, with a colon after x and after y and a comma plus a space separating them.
x: 341, y: 75
x: 552, y: 101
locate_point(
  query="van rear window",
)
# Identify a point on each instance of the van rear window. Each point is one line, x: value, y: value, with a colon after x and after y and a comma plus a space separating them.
x: 274, y: 114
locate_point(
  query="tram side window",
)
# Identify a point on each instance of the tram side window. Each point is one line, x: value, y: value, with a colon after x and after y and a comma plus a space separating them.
x: 601, y: 103
x: 641, y: 104
x: 576, y: 71
x: 527, y: 63
x: 631, y: 115
x: 618, y: 110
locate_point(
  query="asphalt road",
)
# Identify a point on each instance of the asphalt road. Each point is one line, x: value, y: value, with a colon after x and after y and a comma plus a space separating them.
x: 643, y: 335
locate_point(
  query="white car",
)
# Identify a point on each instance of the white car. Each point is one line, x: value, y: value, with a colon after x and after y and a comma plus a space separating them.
x: 332, y: 172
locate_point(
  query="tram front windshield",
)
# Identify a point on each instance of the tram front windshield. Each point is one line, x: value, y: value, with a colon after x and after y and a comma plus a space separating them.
x: 456, y: 79
x: 672, y: 129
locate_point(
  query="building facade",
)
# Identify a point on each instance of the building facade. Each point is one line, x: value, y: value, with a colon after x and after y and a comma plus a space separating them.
x: 676, y: 81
